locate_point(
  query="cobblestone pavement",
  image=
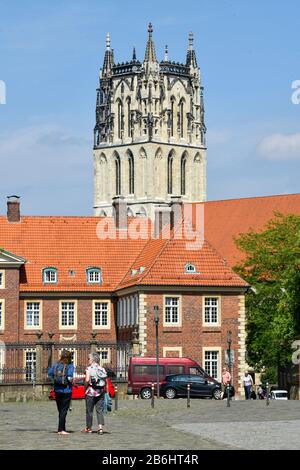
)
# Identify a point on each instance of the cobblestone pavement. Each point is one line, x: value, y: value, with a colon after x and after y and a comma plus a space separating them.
x: 169, y: 426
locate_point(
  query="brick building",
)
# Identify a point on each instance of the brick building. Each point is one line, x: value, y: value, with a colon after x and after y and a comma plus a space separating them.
x: 91, y: 283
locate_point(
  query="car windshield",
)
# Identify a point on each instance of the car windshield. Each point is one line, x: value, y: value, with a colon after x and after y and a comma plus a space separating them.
x: 280, y: 394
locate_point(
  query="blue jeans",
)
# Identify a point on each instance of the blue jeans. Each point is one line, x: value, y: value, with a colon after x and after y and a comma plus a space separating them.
x: 247, y: 389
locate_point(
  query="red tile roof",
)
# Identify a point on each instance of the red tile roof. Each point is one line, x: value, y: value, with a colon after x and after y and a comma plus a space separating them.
x: 67, y: 243
x: 164, y: 263
x: 226, y: 219
x: 71, y: 243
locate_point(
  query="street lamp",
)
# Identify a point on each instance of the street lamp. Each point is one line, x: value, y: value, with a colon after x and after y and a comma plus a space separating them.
x: 229, y: 341
x: 156, y: 319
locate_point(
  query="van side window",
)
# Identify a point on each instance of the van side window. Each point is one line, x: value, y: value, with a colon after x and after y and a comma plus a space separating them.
x: 170, y: 370
x: 147, y: 370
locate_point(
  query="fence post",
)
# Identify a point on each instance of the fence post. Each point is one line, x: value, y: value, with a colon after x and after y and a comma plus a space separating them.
x: 228, y: 395
x: 39, y: 363
x: 188, y: 395
x: 152, y: 395
x: 116, y: 397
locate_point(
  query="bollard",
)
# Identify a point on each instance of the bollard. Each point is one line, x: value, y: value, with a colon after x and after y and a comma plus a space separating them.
x: 268, y: 398
x: 116, y: 398
x: 228, y: 396
x: 152, y: 395
x: 188, y: 396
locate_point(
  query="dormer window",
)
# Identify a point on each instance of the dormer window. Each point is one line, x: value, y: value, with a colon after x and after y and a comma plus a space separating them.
x: 94, y: 276
x: 50, y: 276
x: 190, y: 268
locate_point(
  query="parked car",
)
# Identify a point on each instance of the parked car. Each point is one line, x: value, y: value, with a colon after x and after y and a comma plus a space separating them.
x: 78, y: 391
x: 279, y: 395
x: 142, y: 372
x: 175, y: 386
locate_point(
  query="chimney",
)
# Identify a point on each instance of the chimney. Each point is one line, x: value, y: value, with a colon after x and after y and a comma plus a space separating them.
x: 120, y: 212
x: 161, y: 218
x: 176, y: 210
x: 13, y: 209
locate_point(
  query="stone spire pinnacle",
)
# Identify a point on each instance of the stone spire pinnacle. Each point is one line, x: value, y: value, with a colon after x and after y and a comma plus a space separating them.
x: 134, y: 55
x: 108, y: 58
x: 191, y: 60
x: 150, y: 55
x: 166, y: 59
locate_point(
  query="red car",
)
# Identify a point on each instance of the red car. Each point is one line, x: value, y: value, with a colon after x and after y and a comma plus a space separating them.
x: 78, y: 391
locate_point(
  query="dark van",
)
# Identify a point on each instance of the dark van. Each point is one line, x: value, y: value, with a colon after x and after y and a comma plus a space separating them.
x: 142, y: 372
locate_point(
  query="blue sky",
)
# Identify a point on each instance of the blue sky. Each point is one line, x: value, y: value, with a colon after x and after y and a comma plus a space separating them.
x: 50, y: 55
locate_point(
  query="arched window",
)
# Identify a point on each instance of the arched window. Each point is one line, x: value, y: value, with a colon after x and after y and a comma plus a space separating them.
x: 190, y: 268
x: 120, y: 119
x: 181, y: 107
x: 131, y: 173
x: 183, y: 174
x: 172, y: 115
x: 118, y: 175
x: 128, y: 118
x: 170, y: 173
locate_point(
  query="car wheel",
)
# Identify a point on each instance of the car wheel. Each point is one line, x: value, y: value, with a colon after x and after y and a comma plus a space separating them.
x: 146, y: 393
x: 217, y: 394
x: 170, y: 393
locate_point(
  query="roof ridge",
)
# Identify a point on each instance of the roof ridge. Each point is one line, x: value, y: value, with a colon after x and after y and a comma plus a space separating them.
x: 248, y: 197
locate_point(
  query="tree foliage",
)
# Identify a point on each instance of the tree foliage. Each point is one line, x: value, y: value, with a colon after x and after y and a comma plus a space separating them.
x: 272, y: 268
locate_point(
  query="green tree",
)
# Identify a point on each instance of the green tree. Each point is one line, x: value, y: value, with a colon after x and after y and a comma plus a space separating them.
x: 272, y: 267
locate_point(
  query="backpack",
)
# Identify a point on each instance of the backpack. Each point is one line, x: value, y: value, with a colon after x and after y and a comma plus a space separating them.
x: 98, y: 378
x: 60, y: 372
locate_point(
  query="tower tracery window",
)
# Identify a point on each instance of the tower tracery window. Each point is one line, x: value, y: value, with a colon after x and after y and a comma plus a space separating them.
x: 118, y: 175
x: 183, y: 175
x: 170, y: 173
x: 131, y: 173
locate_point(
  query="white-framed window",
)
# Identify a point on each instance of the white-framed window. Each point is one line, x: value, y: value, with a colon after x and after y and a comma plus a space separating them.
x: 101, y: 314
x: 33, y: 315
x: 211, y: 361
x: 50, y: 276
x: 2, y: 279
x: 2, y: 314
x: 94, y: 276
x: 30, y: 365
x: 104, y: 354
x: 211, y: 309
x: 172, y: 311
x: 68, y: 315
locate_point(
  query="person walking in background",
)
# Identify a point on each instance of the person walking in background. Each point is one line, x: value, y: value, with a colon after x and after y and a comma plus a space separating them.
x: 248, y: 383
x: 95, y: 383
x: 62, y: 374
x: 226, y: 380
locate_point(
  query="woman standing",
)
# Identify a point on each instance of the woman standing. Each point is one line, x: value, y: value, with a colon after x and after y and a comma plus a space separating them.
x: 248, y: 383
x: 62, y: 373
x: 95, y: 382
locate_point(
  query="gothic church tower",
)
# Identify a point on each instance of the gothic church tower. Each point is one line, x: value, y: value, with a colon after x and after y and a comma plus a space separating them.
x: 149, y: 138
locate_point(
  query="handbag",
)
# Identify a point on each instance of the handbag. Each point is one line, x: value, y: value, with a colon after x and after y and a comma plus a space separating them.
x: 107, y: 403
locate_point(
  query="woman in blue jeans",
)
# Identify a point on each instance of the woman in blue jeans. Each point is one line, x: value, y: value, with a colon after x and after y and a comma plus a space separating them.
x: 62, y: 373
x: 248, y: 382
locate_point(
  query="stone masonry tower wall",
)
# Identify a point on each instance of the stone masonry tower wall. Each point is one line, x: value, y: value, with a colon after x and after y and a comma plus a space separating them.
x: 149, y: 138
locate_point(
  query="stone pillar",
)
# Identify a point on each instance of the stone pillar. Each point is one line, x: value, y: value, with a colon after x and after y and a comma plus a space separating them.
x: 39, y: 362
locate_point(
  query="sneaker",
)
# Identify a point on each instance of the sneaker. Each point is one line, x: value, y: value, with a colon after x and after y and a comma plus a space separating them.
x: 86, y: 430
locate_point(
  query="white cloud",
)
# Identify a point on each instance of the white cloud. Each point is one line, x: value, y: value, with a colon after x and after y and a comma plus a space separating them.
x: 42, y: 164
x: 280, y: 147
